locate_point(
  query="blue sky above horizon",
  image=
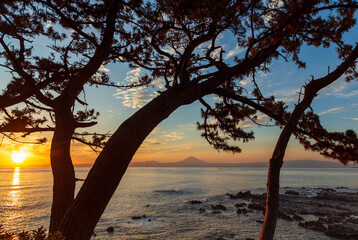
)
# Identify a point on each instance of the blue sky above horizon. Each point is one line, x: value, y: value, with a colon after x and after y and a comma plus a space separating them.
x: 177, y: 138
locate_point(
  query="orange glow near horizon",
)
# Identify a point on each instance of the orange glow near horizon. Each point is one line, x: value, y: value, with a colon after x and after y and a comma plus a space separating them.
x: 16, y: 155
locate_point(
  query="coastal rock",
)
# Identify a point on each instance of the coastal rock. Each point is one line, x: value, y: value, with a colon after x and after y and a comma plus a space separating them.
x: 344, y: 196
x: 218, y: 207
x: 110, y: 230
x: 332, y: 219
x: 352, y: 219
x: 297, y: 217
x: 256, y: 206
x: 327, y: 189
x: 201, y: 210
x: 337, y: 211
x: 313, y: 225
x: 285, y: 216
x: 216, y: 212
x: 240, y: 205
x: 346, y: 230
x: 291, y: 192
x: 138, y: 217
x: 241, y: 211
x: 246, y: 195
x: 198, y: 201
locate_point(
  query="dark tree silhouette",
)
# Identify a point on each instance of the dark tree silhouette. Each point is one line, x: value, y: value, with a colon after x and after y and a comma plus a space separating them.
x: 81, y: 39
x: 179, y: 42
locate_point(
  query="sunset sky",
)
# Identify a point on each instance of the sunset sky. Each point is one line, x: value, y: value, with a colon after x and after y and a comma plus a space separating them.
x: 177, y: 138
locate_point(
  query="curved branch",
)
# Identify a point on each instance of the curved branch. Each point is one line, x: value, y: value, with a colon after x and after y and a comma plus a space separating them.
x: 85, y: 124
x: 22, y: 142
x: 25, y: 129
x: 101, y: 54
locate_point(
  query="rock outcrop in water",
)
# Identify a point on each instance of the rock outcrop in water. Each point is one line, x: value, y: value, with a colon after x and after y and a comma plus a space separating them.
x: 110, y: 230
x: 337, y: 212
x: 218, y: 207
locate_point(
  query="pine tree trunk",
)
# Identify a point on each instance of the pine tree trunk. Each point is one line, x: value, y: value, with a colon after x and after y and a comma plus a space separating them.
x: 273, y: 187
x: 62, y: 168
x: 273, y: 179
x: 276, y: 161
x: 113, y: 161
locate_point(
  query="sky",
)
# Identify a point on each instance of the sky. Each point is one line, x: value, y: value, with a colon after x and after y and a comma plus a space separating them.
x: 176, y: 138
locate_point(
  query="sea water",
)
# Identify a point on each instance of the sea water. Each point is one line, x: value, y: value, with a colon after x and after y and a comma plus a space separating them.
x: 163, y: 195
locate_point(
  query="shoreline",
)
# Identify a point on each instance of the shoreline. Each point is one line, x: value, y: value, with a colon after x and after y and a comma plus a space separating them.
x: 333, y: 212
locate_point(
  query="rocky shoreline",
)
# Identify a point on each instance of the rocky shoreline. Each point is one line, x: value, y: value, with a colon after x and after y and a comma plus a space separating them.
x: 333, y: 212
x: 336, y: 210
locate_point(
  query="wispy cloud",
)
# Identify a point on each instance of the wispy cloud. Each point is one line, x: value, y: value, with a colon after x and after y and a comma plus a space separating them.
x: 187, y: 126
x: 97, y: 75
x: 342, y: 89
x: 139, y: 96
x: 161, y: 140
x: 103, y: 68
x: 338, y: 109
x: 153, y: 141
x: 245, y: 82
x: 233, y: 52
x: 333, y: 110
x: 48, y: 24
x: 135, y: 98
x: 273, y: 4
x: 287, y: 96
x: 172, y: 136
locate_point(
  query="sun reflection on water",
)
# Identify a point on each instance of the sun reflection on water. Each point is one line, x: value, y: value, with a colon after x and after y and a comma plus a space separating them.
x: 16, y: 178
x: 15, y: 193
x: 14, y: 201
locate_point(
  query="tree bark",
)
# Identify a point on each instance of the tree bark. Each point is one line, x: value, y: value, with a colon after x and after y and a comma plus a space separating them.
x: 273, y: 182
x: 276, y: 161
x: 110, y: 166
x: 61, y: 163
x: 113, y: 161
x: 62, y: 167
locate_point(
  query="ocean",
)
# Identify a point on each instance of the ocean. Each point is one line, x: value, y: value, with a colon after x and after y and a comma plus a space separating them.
x: 163, y: 195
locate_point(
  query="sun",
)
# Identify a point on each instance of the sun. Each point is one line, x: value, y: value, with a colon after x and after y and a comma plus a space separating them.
x: 19, y: 156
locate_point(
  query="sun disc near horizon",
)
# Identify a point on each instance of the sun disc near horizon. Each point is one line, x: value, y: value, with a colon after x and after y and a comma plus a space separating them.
x: 19, y: 156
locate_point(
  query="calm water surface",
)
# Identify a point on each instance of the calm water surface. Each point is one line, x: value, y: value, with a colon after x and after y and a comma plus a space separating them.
x: 162, y: 194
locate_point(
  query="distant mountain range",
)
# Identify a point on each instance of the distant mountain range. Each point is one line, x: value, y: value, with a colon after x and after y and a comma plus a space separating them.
x: 194, y: 162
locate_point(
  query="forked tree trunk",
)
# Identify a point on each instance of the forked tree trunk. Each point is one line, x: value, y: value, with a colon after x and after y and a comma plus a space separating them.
x: 111, y: 164
x: 62, y: 168
x: 273, y: 178
x: 276, y: 161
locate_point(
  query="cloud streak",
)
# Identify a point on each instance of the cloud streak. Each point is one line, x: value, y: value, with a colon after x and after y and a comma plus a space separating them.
x: 233, y: 52
x: 338, y: 109
x: 137, y: 97
x: 342, y: 89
